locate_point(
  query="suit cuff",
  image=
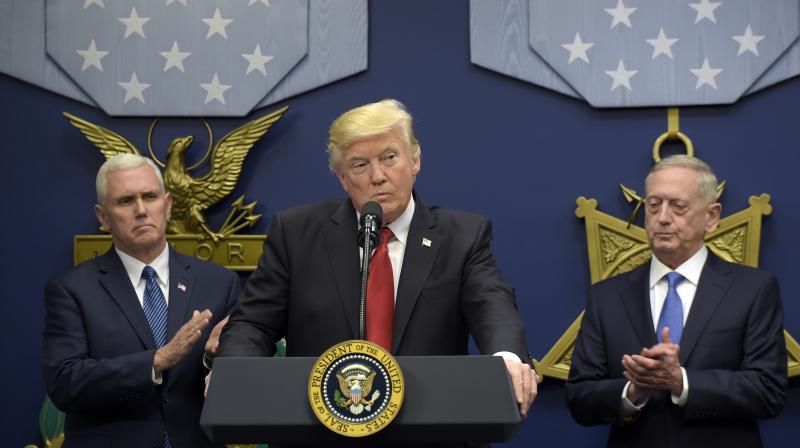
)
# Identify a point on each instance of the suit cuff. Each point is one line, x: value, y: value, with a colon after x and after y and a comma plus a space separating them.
x: 684, y: 397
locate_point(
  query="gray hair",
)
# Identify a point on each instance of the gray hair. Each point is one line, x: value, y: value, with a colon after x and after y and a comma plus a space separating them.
x: 122, y: 162
x: 706, y: 180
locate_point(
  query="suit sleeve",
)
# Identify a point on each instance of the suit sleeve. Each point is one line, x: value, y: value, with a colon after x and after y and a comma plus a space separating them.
x: 77, y: 383
x: 593, y: 398
x: 260, y: 319
x: 757, y: 389
x: 488, y: 302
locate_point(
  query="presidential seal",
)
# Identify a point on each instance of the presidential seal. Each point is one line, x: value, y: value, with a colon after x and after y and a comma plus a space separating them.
x: 356, y: 388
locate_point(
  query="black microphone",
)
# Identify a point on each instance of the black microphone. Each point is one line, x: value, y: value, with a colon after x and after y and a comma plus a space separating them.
x: 371, y: 219
x: 368, y: 238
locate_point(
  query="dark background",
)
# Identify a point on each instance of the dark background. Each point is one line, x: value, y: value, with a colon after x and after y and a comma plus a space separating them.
x: 490, y: 144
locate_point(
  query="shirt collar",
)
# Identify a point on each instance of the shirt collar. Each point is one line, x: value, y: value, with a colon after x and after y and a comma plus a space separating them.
x: 134, y: 266
x: 401, y: 225
x: 690, y: 269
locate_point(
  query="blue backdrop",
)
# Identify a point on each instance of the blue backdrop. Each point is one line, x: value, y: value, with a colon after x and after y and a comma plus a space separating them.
x: 490, y: 144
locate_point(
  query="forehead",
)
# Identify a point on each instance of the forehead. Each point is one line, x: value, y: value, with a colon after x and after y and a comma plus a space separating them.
x: 376, y: 144
x: 678, y: 182
x: 131, y: 180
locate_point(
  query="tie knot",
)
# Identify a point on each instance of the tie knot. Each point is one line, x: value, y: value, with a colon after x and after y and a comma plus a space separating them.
x: 673, y: 278
x: 386, y: 235
x: 148, y: 273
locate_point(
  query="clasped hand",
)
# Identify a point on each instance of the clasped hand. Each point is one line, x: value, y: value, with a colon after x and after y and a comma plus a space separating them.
x: 655, y: 368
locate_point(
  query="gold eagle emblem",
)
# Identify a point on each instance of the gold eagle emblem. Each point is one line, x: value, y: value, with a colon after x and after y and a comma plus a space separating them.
x: 192, y: 196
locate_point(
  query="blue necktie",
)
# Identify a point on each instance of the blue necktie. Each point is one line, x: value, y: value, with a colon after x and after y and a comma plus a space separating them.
x: 155, y: 309
x: 672, y: 312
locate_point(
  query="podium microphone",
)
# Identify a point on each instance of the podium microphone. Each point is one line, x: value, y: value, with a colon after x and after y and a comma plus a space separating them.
x: 368, y: 238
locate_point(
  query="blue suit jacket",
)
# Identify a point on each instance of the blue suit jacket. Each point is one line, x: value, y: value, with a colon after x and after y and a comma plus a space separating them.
x: 732, y: 348
x: 98, y: 351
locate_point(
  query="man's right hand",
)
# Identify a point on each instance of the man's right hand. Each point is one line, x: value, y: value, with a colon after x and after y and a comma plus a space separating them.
x: 179, y: 347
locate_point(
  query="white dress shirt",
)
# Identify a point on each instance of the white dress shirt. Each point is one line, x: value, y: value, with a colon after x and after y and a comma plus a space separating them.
x: 687, y: 288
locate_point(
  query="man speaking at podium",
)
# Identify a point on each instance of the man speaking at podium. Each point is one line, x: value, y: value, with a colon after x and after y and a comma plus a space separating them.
x: 433, y: 279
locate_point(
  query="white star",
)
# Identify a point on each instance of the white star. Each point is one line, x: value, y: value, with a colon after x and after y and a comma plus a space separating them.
x: 183, y: 2
x: 621, y: 76
x: 133, y: 89
x: 662, y: 44
x: 134, y: 23
x: 92, y: 57
x: 214, y: 90
x: 174, y: 57
x: 748, y: 42
x: 88, y: 3
x: 705, y: 75
x: 577, y: 49
x: 252, y: 2
x: 257, y: 61
x: 216, y: 25
x: 621, y: 14
x: 705, y: 10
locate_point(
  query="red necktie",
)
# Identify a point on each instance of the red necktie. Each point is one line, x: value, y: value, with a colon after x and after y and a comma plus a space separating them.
x: 380, y: 294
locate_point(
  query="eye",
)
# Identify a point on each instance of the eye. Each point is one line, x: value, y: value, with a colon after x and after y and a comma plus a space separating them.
x: 127, y: 200
x: 680, y: 207
x: 390, y: 158
x: 358, y: 166
x: 653, y: 204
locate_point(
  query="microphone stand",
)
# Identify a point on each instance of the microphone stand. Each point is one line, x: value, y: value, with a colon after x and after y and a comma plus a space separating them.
x: 369, y: 233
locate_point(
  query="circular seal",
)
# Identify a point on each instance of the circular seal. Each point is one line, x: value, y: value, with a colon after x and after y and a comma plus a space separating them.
x: 356, y: 388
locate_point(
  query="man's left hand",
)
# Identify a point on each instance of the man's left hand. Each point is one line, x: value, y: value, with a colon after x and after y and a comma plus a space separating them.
x: 656, y: 368
x: 524, y: 380
x: 213, y: 339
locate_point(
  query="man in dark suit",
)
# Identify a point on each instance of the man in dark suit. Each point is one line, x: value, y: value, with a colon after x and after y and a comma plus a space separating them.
x: 719, y: 363
x: 443, y: 285
x: 121, y: 356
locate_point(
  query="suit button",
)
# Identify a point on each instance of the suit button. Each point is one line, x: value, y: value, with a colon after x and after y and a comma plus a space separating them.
x: 165, y: 397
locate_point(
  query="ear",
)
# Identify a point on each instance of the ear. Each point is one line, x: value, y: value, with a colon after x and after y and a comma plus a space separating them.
x: 168, y: 200
x: 416, y: 165
x: 713, y: 213
x: 343, y: 181
x: 100, y: 213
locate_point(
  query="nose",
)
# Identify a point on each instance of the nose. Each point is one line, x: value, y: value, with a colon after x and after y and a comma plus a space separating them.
x: 377, y: 173
x: 141, y: 210
x: 663, y: 215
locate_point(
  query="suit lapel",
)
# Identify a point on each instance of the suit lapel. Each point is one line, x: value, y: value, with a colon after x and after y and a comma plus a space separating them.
x: 181, y: 287
x: 115, y: 280
x: 341, y: 242
x: 417, y: 264
x: 636, y: 304
x: 711, y: 290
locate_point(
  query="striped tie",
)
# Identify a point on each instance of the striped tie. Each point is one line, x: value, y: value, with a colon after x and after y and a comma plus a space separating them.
x: 155, y: 309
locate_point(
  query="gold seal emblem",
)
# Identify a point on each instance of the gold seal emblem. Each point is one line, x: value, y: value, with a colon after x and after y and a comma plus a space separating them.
x: 356, y: 388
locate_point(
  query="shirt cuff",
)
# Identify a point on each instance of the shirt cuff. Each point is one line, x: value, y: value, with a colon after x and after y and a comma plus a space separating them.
x: 208, y: 361
x: 627, y: 405
x: 508, y: 356
x: 684, y: 397
x: 156, y: 380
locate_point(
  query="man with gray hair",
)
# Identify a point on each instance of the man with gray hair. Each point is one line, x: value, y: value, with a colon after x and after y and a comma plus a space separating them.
x: 687, y: 350
x: 120, y: 353
x: 433, y: 279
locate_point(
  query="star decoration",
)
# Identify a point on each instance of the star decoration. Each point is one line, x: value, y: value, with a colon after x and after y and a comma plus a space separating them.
x: 577, y: 49
x: 662, y: 45
x: 621, y: 14
x: 705, y: 75
x: 215, y: 90
x: 183, y: 2
x: 253, y: 2
x: 88, y: 3
x: 92, y: 57
x: 705, y: 10
x: 216, y: 25
x: 134, y: 23
x: 748, y: 42
x: 174, y: 57
x: 257, y: 61
x: 133, y: 89
x: 621, y: 76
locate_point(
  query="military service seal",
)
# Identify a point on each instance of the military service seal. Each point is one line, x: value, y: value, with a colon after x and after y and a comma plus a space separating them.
x: 356, y: 388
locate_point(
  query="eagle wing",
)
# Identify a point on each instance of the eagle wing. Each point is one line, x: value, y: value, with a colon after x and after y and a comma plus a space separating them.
x: 109, y: 142
x: 368, y: 383
x: 343, y: 386
x: 228, y: 157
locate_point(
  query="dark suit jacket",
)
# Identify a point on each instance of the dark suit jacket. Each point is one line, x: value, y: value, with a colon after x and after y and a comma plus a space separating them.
x: 98, y: 351
x: 306, y: 287
x: 732, y: 348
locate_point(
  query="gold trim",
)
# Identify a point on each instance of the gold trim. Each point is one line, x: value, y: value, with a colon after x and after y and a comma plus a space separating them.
x: 673, y: 133
x: 188, y: 168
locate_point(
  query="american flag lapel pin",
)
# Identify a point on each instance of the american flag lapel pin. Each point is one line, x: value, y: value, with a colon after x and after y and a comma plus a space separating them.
x: 426, y: 242
x: 182, y: 287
